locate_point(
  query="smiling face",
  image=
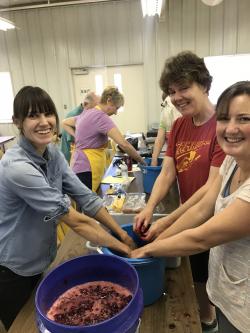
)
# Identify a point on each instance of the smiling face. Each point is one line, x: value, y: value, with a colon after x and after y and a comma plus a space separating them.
x: 233, y: 128
x: 39, y: 129
x: 188, y: 99
x: 35, y: 116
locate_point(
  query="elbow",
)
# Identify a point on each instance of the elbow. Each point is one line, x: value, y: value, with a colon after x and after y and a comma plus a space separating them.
x: 199, y: 241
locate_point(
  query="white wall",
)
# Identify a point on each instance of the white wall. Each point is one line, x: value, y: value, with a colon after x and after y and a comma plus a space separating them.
x: 50, y: 41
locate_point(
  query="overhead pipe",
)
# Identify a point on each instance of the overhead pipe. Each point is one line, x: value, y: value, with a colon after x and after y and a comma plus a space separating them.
x: 49, y: 4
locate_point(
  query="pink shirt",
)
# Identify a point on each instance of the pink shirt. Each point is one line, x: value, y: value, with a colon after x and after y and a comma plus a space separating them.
x: 91, y: 131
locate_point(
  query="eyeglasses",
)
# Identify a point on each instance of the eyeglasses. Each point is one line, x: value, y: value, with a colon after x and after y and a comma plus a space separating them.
x: 117, y: 107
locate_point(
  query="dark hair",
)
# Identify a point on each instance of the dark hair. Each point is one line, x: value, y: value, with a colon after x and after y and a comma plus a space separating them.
x: 185, y: 67
x: 223, y: 103
x: 33, y: 100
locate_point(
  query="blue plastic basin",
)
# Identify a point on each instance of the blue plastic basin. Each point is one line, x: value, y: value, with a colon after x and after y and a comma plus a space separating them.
x: 84, y: 269
x: 151, y: 271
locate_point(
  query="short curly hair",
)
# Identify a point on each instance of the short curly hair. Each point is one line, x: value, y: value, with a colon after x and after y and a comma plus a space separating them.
x: 185, y: 68
x: 112, y: 93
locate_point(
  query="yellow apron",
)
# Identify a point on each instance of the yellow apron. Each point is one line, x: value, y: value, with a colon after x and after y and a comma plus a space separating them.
x: 97, y: 160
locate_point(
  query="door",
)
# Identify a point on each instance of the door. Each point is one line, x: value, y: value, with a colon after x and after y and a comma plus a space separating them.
x: 129, y: 80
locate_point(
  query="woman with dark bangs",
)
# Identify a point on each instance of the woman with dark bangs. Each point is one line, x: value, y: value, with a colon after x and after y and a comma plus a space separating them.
x: 36, y: 184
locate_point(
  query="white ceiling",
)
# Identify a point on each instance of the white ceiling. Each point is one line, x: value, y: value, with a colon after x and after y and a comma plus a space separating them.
x: 11, y: 4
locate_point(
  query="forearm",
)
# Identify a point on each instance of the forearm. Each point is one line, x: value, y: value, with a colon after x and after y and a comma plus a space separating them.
x: 159, y: 191
x: 108, y: 221
x: 178, y: 212
x: 183, y: 244
x: 130, y: 150
x: 192, y: 218
x: 159, y: 142
x: 69, y: 129
x: 90, y: 229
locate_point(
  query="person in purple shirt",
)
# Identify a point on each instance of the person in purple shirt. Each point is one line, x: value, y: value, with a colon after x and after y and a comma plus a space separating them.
x: 92, y: 131
x: 90, y: 100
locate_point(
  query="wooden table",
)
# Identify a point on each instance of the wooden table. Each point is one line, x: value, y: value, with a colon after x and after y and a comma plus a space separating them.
x: 4, y: 140
x: 174, y: 312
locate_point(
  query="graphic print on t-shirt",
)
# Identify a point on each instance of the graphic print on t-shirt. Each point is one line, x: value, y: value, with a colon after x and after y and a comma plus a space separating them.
x: 187, y: 152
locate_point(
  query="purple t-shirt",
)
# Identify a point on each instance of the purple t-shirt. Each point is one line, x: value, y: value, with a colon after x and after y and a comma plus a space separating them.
x: 91, y: 131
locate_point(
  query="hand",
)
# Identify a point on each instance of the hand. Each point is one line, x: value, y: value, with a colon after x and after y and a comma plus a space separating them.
x: 124, y: 249
x: 126, y: 239
x: 154, y: 162
x: 155, y: 230
x: 142, y: 221
x: 138, y: 253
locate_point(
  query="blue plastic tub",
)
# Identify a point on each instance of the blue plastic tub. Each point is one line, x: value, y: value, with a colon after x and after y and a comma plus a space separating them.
x: 150, y: 173
x: 151, y: 271
x: 85, y: 269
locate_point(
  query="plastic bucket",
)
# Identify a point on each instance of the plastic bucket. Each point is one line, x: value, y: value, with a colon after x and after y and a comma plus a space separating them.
x: 150, y: 173
x: 151, y: 271
x: 85, y: 269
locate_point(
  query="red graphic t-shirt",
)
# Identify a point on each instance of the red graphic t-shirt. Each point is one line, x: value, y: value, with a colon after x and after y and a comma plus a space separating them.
x: 194, y: 150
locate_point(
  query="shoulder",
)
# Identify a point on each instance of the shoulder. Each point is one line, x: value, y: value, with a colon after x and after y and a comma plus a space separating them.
x: 13, y: 155
x: 181, y: 122
x: 93, y: 114
x: 102, y: 117
x: 75, y: 112
x: 227, y: 165
x: 19, y: 170
x: 213, y: 119
x: 56, y: 155
x: 53, y: 150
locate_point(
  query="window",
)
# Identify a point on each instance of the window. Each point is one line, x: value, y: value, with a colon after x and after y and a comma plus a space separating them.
x: 6, y: 98
x: 118, y: 84
x: 98, y: 84
x: 118, y: 81
x: 225, y: 71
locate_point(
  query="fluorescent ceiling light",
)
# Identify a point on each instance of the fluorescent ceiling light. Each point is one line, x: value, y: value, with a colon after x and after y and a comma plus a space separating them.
x: 6, y: 24
x: 151, y: 7
x: 211, y: 2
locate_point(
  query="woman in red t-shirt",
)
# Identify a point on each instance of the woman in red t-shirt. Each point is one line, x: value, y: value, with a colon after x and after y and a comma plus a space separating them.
x: 193, y: 157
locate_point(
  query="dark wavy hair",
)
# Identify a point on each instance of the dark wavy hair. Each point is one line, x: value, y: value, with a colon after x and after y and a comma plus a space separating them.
x: 185, y: 68
x: 33, y: 100
x: 223, y: 103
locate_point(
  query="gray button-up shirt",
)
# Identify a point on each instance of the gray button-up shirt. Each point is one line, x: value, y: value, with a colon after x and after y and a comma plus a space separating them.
x: 34, y: 194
